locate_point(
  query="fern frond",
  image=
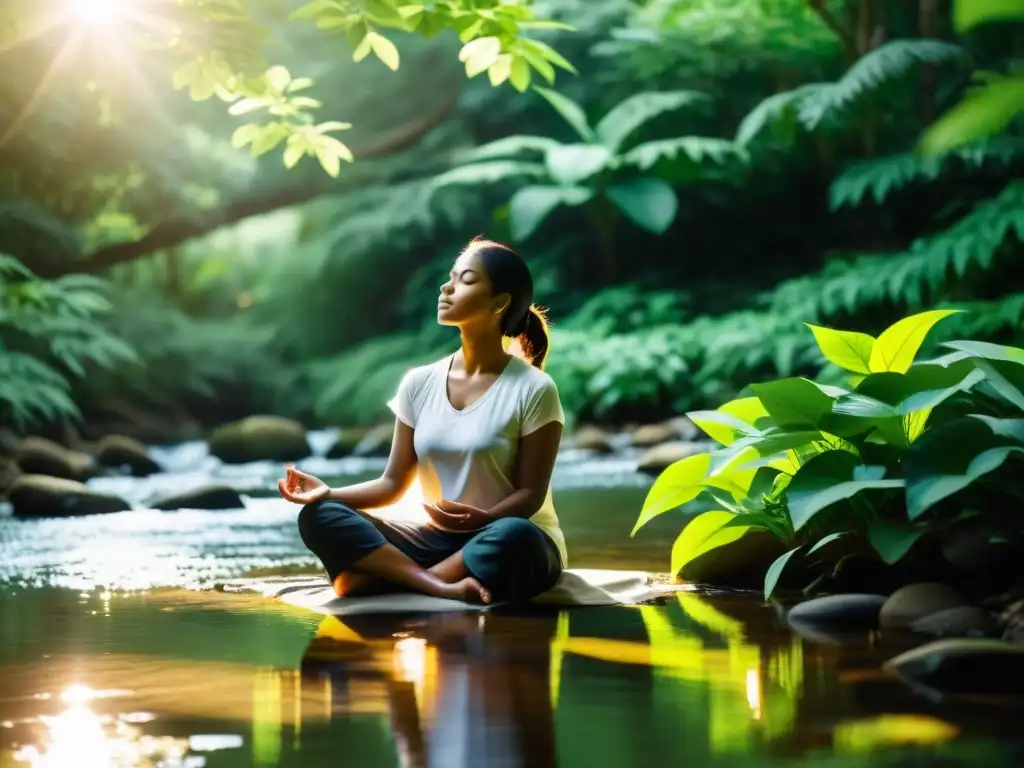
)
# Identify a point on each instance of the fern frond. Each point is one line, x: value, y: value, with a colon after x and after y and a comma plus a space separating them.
x: 31, y: 390
x: 882, y: 65
x: 773, y: 110
x: 493, y: 172
x: 512, y: 146
x: 631, y: 113
x: 877, y: 179
x: 697, y: 149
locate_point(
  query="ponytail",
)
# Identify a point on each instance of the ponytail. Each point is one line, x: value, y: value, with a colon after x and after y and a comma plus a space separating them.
x: 535, y: 340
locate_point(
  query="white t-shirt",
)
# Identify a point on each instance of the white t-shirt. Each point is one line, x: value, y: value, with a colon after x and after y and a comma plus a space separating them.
x: 469, y: 455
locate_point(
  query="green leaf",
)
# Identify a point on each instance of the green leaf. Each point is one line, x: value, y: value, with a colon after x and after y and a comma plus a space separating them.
x: 968, y: 14
x: 703, y: 534
x: 278, y: 78
x: 897, y: 345
x: 951, y: 456
x: 679, y: 483
x: 547, y: 52
x: 850, y: 350
x: 1007, y: 379
x: 648, y: 202
x: 631, y: 113
x: 721, y: 427
x: 500, y: 70
x: 748, y: 409
x: 245, y: 134
x: 292, y: 154
x: 794, y: 402
x: 892, y: 542
x: 570, y: 111
x: 384, y: 50
x: 825, y: 541
x: 363, y: 49
x: 988, y: 350
x: 530, y: 206
x: 828, y: 478
x: 570, y: 164
x: 771, y: 576
x: 519, y: 75
x: 480, y: 54
x: 986, y: 111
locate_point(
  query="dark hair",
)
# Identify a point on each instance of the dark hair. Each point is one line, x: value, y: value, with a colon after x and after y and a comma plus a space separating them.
x: 522, y: 321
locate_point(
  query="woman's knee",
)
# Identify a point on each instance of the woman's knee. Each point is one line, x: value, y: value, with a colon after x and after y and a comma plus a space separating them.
x: 515, y: 534
x: 314, y: 517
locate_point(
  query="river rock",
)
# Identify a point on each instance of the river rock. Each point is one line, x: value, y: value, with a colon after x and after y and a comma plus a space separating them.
x: 259, y: 438
x: 591, y: 438
x: 347, y: 442
x: 9, y: 443
x: 980, y: 667
x: 39, y: 456
x: 40, y: 496
x: 650, y: 435
x: 117, y: 451
x: 1012, y: 619
x: 740, y: 564
x: 915, y: 601
x: 9, y: 472
x: 376, y: 443
x: 206, y: 497
x: 856, y: 611
x: 961, y: 621
x: 660, y: 457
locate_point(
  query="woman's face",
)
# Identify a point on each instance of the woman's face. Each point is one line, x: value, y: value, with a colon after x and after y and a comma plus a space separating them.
x: 466, y: 296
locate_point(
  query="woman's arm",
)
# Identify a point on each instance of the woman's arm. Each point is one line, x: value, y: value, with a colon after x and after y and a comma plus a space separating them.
x: 535, y: 461
x: 392, y: 484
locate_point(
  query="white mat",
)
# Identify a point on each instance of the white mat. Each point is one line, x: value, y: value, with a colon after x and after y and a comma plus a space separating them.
x: 574, y: 588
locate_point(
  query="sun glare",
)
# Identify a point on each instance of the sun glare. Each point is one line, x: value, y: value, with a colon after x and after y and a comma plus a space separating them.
x: 98, y: 13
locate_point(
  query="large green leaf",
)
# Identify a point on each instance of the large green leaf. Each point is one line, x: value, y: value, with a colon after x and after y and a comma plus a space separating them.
x: 510, y: 146
x: 986, y: 111
x: 892, y: 542
x: 1003, y: 366
x: 896, y: 347
x: 951, y: 456
x: 679, y: 483
x: 794, y: 402
x: 531, y: 205
x: 829, y: 478
x: 849, y: 350
x: 571, y: 164
x: 648, y: 202
x: 570, y: 111
x: 631, y: 113
x: 703, y: 534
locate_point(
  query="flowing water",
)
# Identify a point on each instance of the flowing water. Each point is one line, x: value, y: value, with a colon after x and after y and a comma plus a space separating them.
x: 116, y: 650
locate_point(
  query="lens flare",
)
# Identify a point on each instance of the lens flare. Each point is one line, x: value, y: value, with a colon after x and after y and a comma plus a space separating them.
x: 98, y: 13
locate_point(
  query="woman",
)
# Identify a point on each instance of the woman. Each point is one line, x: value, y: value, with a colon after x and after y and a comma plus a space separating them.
x: 481, y: 428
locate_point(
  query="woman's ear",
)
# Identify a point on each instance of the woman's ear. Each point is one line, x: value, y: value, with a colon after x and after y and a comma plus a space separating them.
x: 501, y: 303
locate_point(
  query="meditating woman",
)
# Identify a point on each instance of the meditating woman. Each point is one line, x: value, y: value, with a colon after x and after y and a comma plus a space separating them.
x: 481, y: 427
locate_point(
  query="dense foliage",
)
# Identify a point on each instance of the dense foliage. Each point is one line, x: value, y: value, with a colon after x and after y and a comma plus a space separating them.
x: 702, y: 178
x: 907, y: 450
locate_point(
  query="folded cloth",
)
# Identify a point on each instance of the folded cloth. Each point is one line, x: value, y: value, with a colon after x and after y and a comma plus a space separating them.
x: 575, y: 588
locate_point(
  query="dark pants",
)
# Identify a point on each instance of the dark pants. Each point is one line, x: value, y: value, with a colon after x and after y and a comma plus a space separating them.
x: 513, y: 558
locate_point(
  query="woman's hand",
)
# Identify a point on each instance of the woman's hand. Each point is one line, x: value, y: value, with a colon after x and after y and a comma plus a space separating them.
x: 457, y: 517
x: 302, y: 488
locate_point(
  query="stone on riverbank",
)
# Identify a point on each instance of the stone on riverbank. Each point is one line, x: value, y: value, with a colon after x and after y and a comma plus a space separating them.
x: 259, y: 438
x: 853, y: 611
x: 347, y: 442
x: 9, y: 443
x: 117, y: 451
x: 962, y: 621
x: 9, y: 472
x: 740, y: 564
x: 40, y: 496
x: 591, y: 438
x: 980, y: 667
x: 376, y: 443
x: 915, y: 601
x: 39, y: 456
x: 660, y: 457
x: 212, y: 497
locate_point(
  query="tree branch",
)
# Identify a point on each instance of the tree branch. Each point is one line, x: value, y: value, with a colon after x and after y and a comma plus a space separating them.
x: 841, y: 32
x: 177, y: 231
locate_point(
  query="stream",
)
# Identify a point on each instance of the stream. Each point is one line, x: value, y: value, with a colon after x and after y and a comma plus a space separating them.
x: 117, y: 650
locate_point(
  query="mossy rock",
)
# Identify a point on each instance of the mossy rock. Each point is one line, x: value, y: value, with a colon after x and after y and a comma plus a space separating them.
x: 39, y: 496
x: 963, y: 666
x: 9, y: 472
x: 39, y: 456
x: 915, y: 601
x: 650, y: 435
x: 9, y: 443
x: 117, y: 451
x: 591, y: 438
x: 657, y: 459
x: 259, y: 438
x: 376, y: 443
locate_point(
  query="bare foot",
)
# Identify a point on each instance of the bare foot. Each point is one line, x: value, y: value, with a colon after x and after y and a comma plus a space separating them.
x: 468, y: 590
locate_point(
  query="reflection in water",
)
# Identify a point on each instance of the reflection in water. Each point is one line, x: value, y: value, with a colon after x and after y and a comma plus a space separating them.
x: 684, y: 682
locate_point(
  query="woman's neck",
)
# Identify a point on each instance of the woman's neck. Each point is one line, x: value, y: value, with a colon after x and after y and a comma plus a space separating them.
x: 482, y: 351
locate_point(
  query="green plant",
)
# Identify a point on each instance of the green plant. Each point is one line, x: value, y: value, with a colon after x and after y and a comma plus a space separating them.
x: 907, y: 449
x: 49, y: 334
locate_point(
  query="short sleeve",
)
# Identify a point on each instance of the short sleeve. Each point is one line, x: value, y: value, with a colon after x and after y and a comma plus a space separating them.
x: 542, y: 407
x: 403, y: 404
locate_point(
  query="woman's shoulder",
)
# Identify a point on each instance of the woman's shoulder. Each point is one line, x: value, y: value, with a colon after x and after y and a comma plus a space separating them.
x: 531, y: 377
x: 414, y: 377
